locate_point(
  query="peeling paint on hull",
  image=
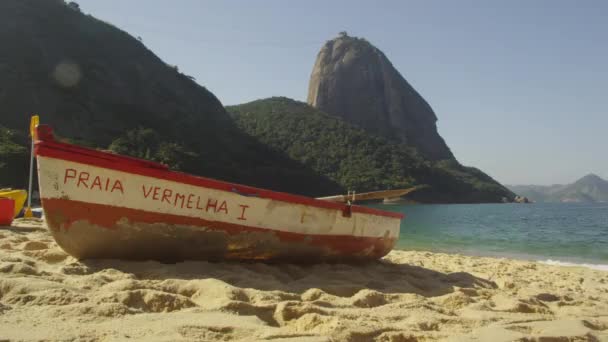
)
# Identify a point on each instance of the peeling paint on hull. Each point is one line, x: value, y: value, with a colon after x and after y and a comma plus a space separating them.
x: 100, y: 205
x: 138, y: 235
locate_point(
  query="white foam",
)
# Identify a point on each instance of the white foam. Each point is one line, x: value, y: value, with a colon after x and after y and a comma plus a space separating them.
x: 601, y: 267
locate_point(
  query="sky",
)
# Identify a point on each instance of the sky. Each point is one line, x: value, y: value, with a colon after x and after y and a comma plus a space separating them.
x: 520, y: 87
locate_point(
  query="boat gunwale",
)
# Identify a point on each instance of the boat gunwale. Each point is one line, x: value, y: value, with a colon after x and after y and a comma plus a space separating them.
x: 47, y: 146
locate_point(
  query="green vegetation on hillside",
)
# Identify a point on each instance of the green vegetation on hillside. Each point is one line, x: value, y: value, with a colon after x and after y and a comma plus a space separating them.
x: 358, y: 160
x: 244, y: 160
x: 147, y: 144
x: 100, y: 87
x: 13, y: 158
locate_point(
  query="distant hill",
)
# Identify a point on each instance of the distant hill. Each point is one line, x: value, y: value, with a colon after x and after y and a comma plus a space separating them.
x: 359, y: 160
x: 99, y: 86
x: 590, y: 188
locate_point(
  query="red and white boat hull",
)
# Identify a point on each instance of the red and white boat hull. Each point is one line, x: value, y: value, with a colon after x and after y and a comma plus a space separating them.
x: 101, y: 205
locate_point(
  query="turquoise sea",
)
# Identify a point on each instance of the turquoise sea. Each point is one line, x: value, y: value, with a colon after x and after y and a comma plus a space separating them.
x: 560, y: 233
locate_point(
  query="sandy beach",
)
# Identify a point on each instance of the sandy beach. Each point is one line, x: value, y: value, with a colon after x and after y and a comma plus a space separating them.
x: 408, y: 296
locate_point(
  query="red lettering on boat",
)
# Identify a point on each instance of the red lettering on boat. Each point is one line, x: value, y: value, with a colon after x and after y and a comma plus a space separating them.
x: 198, y: 202
x: 118, y: 186
x: 223, y: 207
x: 68, y: 175
x: 167, y: 195
x: 82, y: 179
x: 155, y: 195
x: 190, y: 200
x: 179, y: 196
x: 96, y: 183
x: 146, y: 194
x: 211, y: 204
x: 243, y: 208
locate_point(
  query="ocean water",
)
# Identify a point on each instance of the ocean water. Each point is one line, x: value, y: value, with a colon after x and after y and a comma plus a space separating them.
x: 558, y: 233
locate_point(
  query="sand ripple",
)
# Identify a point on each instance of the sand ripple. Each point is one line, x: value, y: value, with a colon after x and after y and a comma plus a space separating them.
x: 409, y: 296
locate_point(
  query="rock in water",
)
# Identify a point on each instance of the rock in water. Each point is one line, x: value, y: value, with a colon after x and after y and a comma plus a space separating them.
x: 354, y: 80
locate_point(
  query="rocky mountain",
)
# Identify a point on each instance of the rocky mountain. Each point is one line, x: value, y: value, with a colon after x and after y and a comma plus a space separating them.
x: 590, y: 188
x: 354, y: 80
x: 358, y: 160
x: 99, y: 86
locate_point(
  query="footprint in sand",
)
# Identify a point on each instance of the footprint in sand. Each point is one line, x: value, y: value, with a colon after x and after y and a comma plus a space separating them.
x: 50, y: 256
x: 34, y: 246
x: 18, y: 268
x: 292, y: 310
x: 312, y: 295
x: 547, y: 297
x: 145, y: 300
x: 369, y: 299
x: 202, y: 333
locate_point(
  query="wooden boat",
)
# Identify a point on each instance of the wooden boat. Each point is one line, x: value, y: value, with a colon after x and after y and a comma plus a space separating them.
x: 368, y: 196
x: 19, y: 196
x: 102, y: 205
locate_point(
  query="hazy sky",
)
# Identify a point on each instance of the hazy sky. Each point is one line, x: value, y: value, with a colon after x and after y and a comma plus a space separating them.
x: 520, y: 87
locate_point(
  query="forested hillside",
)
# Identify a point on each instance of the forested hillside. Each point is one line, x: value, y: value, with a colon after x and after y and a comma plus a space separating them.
x: 98, y: 86
x: 356, y: 159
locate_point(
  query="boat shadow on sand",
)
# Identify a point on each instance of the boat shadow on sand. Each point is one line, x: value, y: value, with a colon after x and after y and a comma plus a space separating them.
x: 275, y: 293
x: 336, y: 279
x: 342, y: 280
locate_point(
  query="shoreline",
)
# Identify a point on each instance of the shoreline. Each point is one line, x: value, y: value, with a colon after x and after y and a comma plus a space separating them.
x: 548, y: 232
x: 406, y: 296
x: 599, y: 265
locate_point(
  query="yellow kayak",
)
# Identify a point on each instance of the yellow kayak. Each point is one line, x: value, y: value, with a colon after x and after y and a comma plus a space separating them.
x: 19, y: 196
